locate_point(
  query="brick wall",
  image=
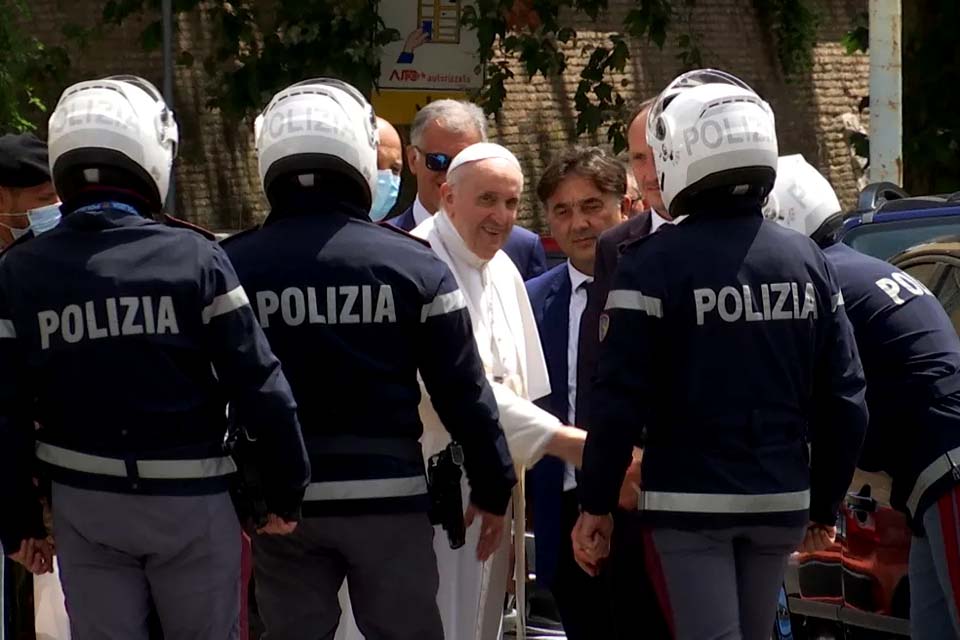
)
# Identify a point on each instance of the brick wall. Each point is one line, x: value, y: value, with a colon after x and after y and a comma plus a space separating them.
x: 539, y: 117
x: 217, y: 183
x: 217, y: 179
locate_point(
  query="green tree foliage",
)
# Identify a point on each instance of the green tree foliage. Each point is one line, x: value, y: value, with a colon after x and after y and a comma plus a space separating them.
x: 931, y: 70
x: 540, y: 41
x: 261, y: 47
x: 25, y: 64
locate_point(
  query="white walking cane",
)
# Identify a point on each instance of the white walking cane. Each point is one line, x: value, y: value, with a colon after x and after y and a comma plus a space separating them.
x: 3, y: 594
x: 520, y: 553
x: 51, y: 621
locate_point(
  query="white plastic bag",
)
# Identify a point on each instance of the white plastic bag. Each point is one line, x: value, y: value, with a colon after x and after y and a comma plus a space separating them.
x: 348, y: 629
x: 49, y: 609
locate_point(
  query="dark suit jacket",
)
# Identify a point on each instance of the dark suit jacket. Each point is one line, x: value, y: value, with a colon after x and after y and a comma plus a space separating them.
x: 550, y: 298
x: 405, y: 220
x: 523, y: 246
x: 609, y: 247
x: 525, y: 249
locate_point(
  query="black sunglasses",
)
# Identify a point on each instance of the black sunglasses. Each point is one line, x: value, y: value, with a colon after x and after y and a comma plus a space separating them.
x: 436, y: 161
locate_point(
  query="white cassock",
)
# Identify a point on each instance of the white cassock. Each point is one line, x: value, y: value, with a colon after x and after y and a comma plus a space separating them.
x: 471, y: 594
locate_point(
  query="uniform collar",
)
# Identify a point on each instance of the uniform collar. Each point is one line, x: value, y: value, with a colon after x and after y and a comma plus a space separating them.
x: 727, y: 207
x: 310, y: 203
x: 105, y: 214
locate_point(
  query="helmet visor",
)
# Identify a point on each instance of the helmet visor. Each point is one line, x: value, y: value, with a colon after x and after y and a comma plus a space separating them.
x: 166, y: 114
x: 145, y: 85
x: 345, y: 87
x: 686, y: 81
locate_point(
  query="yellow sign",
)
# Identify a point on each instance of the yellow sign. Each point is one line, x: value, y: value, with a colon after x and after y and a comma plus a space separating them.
x: 440, y: 19
x: 434, y: 53
x: 399, y: 107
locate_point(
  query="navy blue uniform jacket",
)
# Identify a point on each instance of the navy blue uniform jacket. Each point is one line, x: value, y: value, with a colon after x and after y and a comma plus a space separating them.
x: 911, y: 358
x: 354, y: 310
x: 725, y: 337
x: 124, y: 339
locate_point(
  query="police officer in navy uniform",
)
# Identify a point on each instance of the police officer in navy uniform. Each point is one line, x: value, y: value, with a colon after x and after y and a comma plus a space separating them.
x: 354, y: 310
x: 27, y: 200
x: 725, y: 339
x: 124, y: 339
x: 911, y: 358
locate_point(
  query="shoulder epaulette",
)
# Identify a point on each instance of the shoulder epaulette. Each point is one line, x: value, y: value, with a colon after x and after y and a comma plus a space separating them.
x: 630, y: 243
x: 240, y: 234
x: 170, y: 221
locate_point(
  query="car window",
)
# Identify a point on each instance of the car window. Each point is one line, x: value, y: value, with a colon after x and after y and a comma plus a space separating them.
x: 949, y: 295
x: 926, y: 272
x: 943, y: 279
x: 884, y: 240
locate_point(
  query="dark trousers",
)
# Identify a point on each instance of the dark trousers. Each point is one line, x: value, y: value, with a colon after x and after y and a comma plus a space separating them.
x: 16, y: 608
x: 389, y: 564
x: 585, y: 603
x: 618, y: 604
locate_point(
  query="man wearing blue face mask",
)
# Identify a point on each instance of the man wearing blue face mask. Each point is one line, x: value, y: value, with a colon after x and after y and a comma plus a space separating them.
x: 389, y: 167
x: 28, y: 201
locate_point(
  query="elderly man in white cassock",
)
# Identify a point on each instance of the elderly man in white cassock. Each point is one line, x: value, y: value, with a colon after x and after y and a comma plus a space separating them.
x: 479, y: 207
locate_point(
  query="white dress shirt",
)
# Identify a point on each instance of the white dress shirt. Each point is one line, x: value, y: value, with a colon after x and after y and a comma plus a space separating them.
x: 656, y: 220
x: 578, y: 303
x: 420, y: 213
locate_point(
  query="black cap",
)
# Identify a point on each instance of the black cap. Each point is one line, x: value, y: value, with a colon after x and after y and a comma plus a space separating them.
x: 23, y: 161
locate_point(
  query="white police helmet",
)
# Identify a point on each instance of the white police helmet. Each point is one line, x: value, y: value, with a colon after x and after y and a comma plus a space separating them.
x: 319, y: 124
x: 117, y: 131
x: 709, y: 130
x: 802, y: 199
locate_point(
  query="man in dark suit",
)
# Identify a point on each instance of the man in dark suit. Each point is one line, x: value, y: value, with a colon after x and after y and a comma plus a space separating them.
x: 440, y: 131
x: 610, y: 242
x: 583, y: 193
x: 627, y: 563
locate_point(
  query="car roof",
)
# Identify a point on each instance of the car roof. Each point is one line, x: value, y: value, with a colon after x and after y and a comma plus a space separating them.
x: 885, y: 202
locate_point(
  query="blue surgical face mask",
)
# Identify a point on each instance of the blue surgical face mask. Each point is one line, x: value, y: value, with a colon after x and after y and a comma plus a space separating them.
x: 388, y: 188
x: 43, y: 219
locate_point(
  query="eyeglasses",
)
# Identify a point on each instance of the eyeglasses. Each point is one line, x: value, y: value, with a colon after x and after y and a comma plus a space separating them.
x: 436, y: 161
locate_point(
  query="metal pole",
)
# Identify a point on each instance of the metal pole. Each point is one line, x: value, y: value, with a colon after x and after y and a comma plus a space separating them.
x: 166, y: 9
x: 886, y: 92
